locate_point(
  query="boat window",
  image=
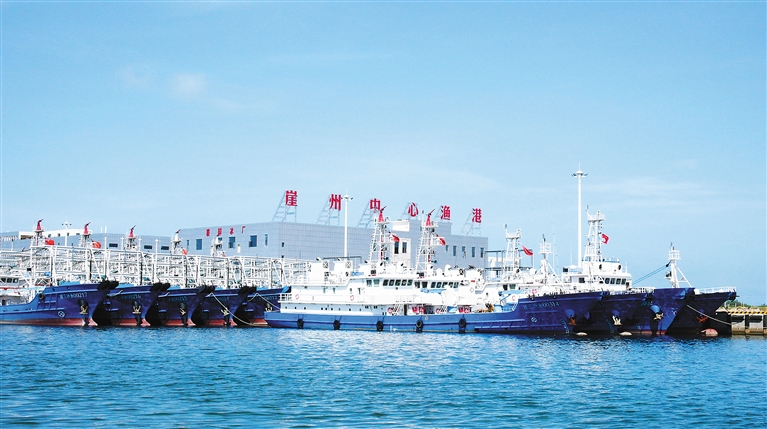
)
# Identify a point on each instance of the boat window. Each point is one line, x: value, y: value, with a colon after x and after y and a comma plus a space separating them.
x: 439, y: 285
x: 417, y: 285
x: 623, y: 281
x: 376, y: 282
x: 410, y: 282
x: 404, y: 247
x: 581, y: 280
x: 369, y: 282
x: 386, y: 283
x: 397, y: 283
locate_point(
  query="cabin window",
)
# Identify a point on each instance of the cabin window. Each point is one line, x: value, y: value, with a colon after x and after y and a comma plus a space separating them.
x: 454, y: 250
x: 376, y: 282
x: 581, y: 280
x: 482, y: 252
x: 147, y: 247
x: 410, y: 282
x: 113, y: 245
x: 473, y: 250
x: 369, y: 282
x: 231, y: 242
x: 164, y: 248
x: 397, y: 283
x: 253, y: 241
x: 396, y: 247
x: 463, y: 251
x: 198, y: 244
x: 266, y: 240
x: 404, y: 247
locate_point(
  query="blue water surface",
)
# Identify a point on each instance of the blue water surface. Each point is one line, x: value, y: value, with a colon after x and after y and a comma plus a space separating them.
x: 191, y: 377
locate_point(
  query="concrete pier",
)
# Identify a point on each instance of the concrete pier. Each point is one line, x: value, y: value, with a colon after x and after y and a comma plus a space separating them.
x: 741, y: 321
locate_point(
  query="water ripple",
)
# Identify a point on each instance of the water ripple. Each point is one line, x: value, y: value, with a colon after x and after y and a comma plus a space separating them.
x: 178, y: 378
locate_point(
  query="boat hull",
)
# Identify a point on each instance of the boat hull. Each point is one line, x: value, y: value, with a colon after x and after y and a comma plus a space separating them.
x: 251, y: 311
x: 64, y: 305
x: 174, y: 306
x: 658, y: 311
x: 612, y: 313
x: 693, y: 316
x: 217, y: 308
x: 546, y: 315
x: 128, y: 305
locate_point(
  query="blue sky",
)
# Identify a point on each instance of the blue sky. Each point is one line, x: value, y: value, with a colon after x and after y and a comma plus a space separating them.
x: 170, y: 115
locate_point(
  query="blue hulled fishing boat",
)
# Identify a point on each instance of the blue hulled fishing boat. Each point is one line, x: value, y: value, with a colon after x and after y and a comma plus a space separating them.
x: 382, y: 295
x: 67, y: 304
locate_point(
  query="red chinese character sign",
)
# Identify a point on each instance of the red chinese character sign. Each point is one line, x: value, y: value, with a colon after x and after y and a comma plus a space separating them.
x: 287, y: 207
x: 335, y: 202
x: 412, y: 210
x: 444, y: 213
x: 476, y: 215
x: 369, y: 215
x: 291, y: 198
x: 473, y: 223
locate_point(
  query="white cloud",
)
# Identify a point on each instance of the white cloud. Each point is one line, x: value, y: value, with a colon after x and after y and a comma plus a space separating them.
x: 187, y: 85
x: 136, y: 76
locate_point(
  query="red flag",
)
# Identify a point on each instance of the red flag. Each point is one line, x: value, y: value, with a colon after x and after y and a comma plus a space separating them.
x: 605, y: 238
x: 527, y: 251
x: 49, y: 242
x: 441, y: 240
x: 96, y: 245
x: 395, y: 238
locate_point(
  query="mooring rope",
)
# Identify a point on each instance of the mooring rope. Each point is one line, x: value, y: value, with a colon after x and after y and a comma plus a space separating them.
x: 234, y: 316
x: 706, y: 315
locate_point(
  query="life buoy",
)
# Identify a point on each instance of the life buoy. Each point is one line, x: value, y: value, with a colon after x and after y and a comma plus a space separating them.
x: 295, y: 297
x: 471, y: 289
x: 300, y: 323
x: 379, y: 326
x: 390, y: 311
x: 419, y: 325
x: 351, y: 298
x: 336, y: 324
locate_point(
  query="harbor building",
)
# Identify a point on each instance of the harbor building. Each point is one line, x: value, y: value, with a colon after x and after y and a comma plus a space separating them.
x: 285, y: 237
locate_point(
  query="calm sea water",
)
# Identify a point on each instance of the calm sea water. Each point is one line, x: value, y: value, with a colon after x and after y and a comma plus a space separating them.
x: 137, y: 378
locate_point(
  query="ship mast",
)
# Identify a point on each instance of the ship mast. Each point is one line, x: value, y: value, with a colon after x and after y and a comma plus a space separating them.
x: 579, y: 174
x: 594, y: 243
x: 675, y: 275
x: 511, y: 258
x: 379, y: 244
x: 425, y: 258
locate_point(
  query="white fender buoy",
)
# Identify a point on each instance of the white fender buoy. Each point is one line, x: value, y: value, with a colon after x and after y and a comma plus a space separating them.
x: 581, y: 334
x: 625, y: 334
